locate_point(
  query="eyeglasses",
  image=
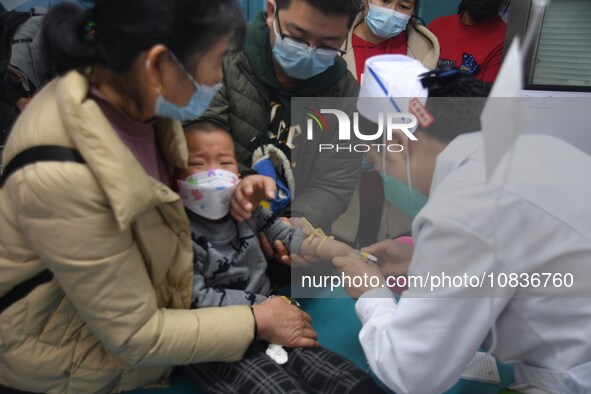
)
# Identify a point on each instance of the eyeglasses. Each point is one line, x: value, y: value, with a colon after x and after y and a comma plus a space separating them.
x: 303, y: 45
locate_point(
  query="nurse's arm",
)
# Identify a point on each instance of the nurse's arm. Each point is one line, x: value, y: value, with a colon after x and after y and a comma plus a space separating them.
x: 424, y: 342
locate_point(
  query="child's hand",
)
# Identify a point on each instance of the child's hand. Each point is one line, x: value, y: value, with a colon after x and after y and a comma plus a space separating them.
x: 333, y: 248
x: 318, y: 246
x: 303, y: 224
x: 248, y: 195
x: 280, y: 251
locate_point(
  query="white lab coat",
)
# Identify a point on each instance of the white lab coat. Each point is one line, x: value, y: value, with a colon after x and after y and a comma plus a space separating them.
x: 538, y: 214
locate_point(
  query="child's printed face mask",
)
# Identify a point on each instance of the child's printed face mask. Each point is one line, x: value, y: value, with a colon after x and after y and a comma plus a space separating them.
x: 209, y: 193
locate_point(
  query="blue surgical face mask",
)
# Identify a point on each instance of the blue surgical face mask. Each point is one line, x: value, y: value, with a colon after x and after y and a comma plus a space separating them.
x: 299, y: 60
x: 198, y: 104
x: 401, y: 195
x: 384, y: 22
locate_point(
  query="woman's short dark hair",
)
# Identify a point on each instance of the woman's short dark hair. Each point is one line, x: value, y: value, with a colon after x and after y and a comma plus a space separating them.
x: 115, y: 32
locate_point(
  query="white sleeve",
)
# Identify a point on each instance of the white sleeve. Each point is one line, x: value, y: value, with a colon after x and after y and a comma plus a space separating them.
x: 423, y: 343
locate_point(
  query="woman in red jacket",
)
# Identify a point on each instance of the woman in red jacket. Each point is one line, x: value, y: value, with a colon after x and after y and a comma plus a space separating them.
x: 473, y: 39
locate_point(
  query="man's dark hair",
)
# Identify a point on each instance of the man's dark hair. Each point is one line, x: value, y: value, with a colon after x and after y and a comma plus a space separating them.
x: 349, y: 8
x: 455, y: 104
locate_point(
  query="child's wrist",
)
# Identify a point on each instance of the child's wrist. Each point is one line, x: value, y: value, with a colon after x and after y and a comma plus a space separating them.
x: 353, y: 254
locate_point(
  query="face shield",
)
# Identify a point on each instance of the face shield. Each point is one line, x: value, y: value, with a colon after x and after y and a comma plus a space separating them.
x: 390, y: 89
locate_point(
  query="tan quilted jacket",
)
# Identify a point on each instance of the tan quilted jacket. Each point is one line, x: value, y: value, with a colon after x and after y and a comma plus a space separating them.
x: 422, y: 45
x: 114, y: 317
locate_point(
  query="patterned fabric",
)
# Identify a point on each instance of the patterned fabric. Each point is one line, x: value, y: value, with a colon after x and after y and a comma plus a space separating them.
x: 314, y: 370
x: 229, y: 266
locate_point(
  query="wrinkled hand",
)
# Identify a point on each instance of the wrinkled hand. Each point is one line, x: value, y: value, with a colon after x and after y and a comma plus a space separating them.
x: 393, y: 257
x: 248, y: 195
x: 284, y: 324
x: 354, y: 267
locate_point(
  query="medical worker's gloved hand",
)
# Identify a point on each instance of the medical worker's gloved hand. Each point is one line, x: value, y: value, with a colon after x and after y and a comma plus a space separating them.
x: 393, y: 257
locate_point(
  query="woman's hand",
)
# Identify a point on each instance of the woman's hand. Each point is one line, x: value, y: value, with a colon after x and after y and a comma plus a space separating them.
x: 248, y: 195
x: 278, y: 250
x: 354, y: 267
x: 284, y: 324
x: 393, y: 257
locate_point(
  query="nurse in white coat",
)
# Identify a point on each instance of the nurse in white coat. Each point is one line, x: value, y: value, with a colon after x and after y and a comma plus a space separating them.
x: 531, y: 219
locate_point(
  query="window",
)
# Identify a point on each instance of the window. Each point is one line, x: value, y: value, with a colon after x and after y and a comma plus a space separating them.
x: 563, y: 55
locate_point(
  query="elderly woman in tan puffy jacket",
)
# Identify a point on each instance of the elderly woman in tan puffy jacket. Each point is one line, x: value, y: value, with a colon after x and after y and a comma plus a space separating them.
x: 95, y: 247
x: 386, y: 27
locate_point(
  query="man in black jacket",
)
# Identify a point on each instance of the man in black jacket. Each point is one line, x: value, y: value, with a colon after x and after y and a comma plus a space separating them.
x: 292, y: 50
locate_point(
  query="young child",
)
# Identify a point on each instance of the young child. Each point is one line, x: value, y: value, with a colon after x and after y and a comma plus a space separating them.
x: 229, y: 269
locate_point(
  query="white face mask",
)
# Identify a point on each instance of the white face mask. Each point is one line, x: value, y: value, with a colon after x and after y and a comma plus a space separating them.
x: 209, y: 193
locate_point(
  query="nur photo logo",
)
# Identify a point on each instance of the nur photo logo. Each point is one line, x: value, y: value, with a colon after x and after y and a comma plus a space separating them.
x: 350, y: 131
